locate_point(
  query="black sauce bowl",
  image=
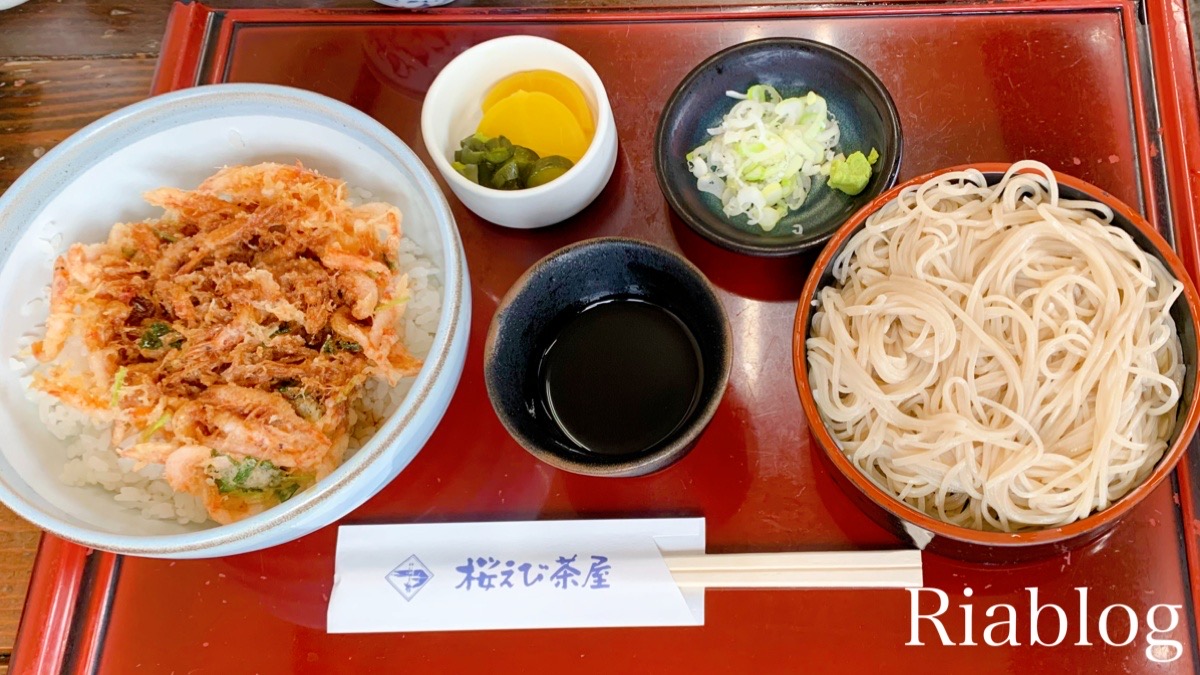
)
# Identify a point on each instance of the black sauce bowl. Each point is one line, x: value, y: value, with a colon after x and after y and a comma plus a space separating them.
x: 562, y: 284
x: 857, y: 99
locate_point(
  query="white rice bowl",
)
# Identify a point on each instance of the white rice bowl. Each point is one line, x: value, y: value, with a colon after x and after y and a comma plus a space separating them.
x: 57, y: 469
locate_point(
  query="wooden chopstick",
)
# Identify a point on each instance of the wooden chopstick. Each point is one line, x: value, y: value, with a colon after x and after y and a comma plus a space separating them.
x: 815, y: 569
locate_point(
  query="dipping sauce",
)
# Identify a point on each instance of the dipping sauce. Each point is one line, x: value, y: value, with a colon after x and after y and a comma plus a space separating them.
x: 621, y: 376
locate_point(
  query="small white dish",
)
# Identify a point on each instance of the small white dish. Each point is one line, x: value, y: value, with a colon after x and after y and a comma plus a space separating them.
x: 95, y: 178
x: 453, y: 109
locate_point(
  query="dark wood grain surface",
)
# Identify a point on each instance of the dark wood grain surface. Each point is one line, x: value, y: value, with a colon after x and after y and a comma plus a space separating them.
x: 64, y: 64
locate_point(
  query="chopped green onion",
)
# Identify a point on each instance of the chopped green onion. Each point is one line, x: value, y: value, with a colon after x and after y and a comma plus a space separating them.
x: 244, y: 470
x: 332, y: 345
x: 158, y: 424
x: 766, y: 155
x: 400, y: 300
x: 287, y: 491
x: 256, y: 479
x: 118, y: 382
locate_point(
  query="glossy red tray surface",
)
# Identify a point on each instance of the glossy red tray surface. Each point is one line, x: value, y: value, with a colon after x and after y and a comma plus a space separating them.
x: 1064, y: 83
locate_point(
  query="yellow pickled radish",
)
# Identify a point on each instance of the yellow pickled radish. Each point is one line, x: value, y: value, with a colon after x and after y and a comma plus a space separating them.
x: 557, y: 85
x: 537, y: 121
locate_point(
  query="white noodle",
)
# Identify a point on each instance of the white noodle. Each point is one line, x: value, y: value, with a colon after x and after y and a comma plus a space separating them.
x: 998, y: 357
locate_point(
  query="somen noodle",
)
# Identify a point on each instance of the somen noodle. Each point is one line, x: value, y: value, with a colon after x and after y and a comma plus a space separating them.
x: 999, y: 357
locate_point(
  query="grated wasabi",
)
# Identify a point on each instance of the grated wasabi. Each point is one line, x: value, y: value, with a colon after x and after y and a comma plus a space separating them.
x: 851, y: 174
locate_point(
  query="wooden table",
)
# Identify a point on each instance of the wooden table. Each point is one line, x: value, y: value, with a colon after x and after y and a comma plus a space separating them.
x: 63, y: 64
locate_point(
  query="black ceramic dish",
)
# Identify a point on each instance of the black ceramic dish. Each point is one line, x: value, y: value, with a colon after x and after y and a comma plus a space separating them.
x: 857, y: 99
x: 558, y: 287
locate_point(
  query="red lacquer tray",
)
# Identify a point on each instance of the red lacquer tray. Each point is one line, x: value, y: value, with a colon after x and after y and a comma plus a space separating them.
x: 1103, y: 89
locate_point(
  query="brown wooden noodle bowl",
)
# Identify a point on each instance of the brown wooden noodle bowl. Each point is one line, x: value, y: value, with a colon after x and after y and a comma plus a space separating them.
x: 953, y: 540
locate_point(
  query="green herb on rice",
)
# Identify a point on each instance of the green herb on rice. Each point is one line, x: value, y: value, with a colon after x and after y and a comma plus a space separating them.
x: 158, y: 424
x: 118, y: 383
x: 388, y: 304
x: 333, y: 345
x: 152, y: 337
x: 253, y: 478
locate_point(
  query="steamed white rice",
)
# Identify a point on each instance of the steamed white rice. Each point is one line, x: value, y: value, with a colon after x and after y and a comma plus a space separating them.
x: 91, y: 461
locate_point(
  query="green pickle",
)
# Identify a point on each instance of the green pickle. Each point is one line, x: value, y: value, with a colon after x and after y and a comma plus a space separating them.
x: 497, y: 163
x: 499, y: 150
x: 475, y: 142
x: 469, y: 171
x: 525, y: 159
x: 547, y: 169
x: 507, y: 176
x: 469, y: 156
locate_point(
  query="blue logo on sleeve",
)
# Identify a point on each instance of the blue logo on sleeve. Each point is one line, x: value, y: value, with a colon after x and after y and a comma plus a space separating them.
x: 409, y: 577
